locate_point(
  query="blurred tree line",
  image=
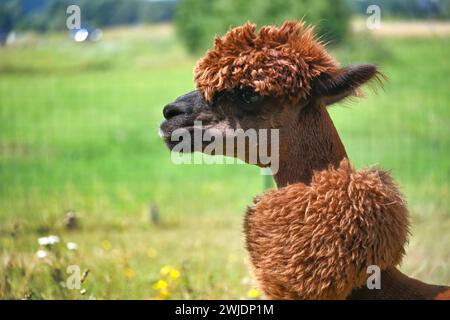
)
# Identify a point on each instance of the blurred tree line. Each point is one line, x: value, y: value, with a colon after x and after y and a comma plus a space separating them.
x: 45, y: 15
x: 197, y: 21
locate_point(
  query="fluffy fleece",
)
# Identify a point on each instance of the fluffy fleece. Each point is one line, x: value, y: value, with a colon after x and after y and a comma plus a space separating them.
x: 277, y: 61
x: 316, y: 241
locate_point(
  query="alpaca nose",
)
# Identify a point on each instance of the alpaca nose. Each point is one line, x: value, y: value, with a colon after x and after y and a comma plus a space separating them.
x: 175, y: 109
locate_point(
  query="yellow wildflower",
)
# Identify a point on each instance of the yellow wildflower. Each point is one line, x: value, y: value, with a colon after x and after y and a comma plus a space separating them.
x: 253, y: 293
x: 174, y: 273
x: 128, y: 273
x: 164, y: 293
x: 160, y: 285
x: 165, y: 270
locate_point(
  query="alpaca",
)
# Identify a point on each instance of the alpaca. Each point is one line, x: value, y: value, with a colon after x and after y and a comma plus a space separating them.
x: 314, y: 236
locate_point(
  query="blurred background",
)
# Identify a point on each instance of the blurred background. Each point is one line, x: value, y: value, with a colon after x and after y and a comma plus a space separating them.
x: 85, y: 180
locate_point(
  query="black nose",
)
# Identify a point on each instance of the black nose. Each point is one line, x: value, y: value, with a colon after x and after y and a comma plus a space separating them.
x: 175, y: 109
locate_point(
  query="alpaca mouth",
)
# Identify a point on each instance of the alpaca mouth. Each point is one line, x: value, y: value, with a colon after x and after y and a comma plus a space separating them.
x: 175, y: 134
x: 165, y: 132
x: 162, y: 133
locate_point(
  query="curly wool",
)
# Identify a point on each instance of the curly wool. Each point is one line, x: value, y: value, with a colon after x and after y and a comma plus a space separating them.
x: 278, y: 61
x: 316, y: 242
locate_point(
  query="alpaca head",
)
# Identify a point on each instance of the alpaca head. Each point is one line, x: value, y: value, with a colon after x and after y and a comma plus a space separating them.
x: 263, y: 80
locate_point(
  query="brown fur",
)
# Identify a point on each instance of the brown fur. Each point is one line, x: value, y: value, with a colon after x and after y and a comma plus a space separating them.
x: 316, y: 242
x: 278, y: 61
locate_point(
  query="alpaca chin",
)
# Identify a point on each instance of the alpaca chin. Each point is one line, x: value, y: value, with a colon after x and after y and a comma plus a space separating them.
x: 317, y: 241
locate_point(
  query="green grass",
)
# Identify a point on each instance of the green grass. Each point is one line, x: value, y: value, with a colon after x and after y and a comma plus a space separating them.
x: 78, y: 132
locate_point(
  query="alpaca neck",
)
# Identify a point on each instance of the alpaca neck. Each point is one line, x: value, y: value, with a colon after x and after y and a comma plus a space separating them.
x: 309, y: 143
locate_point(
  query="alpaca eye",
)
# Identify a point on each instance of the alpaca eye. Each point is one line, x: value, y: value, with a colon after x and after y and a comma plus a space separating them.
x: 250, y: 96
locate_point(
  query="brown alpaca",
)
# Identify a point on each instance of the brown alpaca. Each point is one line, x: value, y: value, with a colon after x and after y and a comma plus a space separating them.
x: 340, y: 224
x: 314, y: 237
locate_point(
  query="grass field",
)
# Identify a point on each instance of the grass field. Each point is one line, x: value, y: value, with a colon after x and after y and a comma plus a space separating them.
x: 78, y: 132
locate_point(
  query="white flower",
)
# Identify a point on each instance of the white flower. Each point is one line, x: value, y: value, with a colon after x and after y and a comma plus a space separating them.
x: 48, y: 241
x: 41, y: 254
x: 53, y: 239
x: 43, y: 241
x: 72, y: 246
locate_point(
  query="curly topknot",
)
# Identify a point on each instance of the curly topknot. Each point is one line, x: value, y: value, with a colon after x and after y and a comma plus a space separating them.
x: 278, y: 61
x: 316, y: 242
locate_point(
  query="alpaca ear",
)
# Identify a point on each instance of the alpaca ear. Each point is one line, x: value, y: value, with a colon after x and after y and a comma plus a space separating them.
x: 346, y: 82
